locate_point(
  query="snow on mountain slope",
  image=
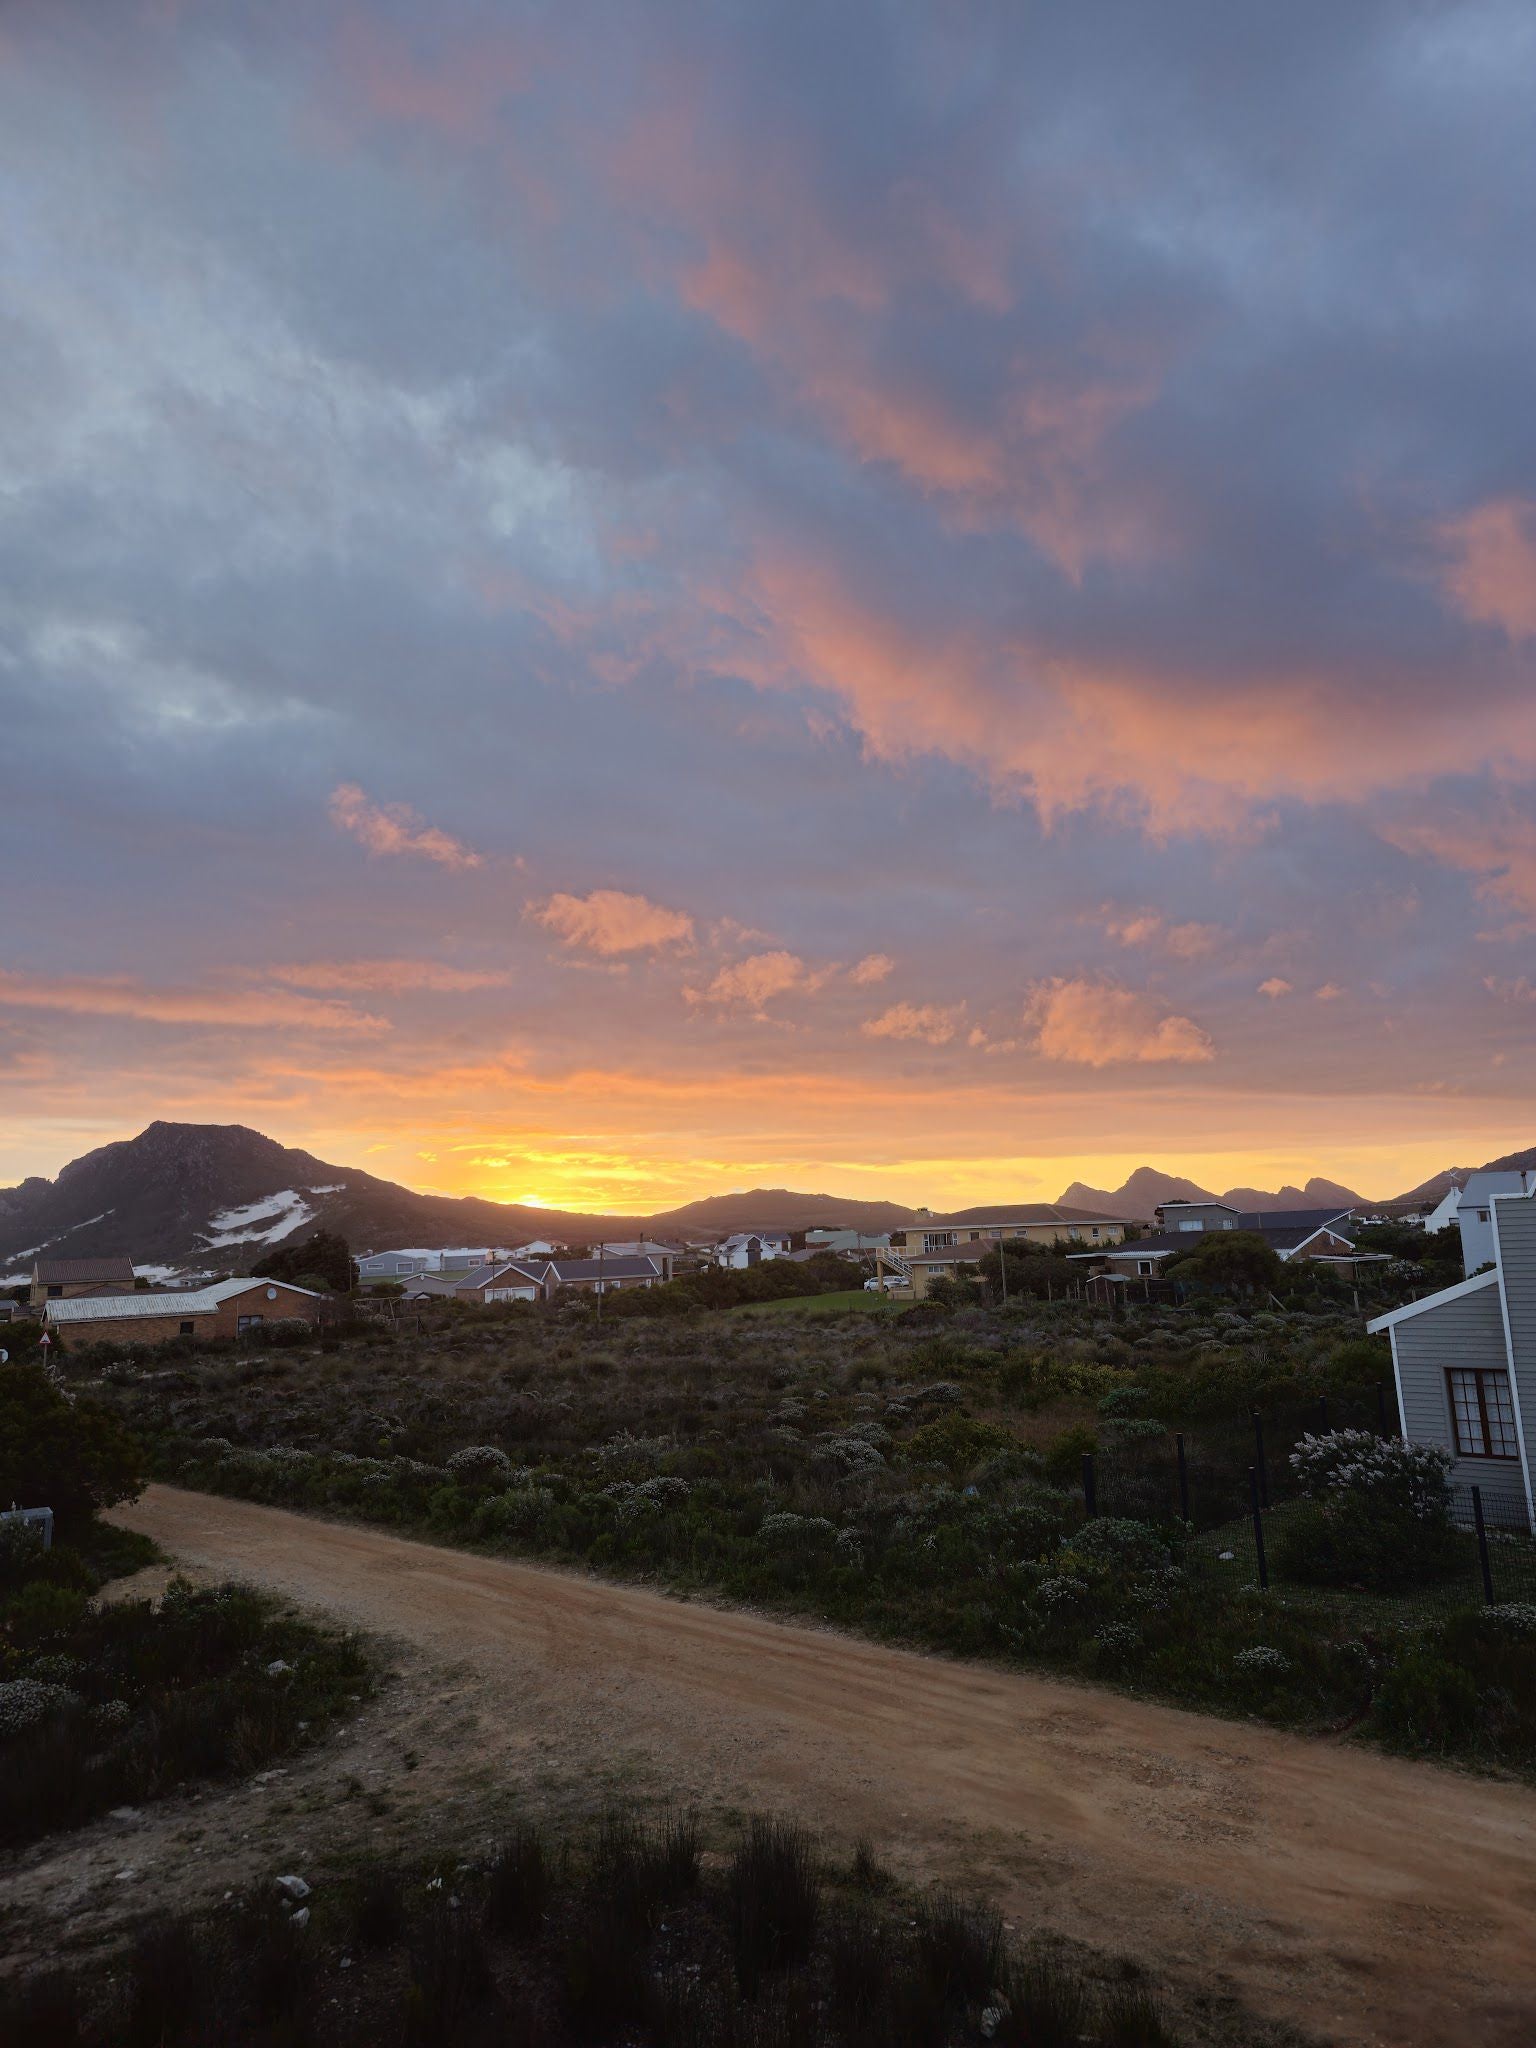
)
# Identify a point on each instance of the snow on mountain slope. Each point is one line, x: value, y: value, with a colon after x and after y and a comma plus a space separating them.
x: 260, y: 1222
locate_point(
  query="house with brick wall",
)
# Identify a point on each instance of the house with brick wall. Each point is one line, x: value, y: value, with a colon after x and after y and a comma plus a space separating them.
x: 227, y: 1308
x: 63, y: 1279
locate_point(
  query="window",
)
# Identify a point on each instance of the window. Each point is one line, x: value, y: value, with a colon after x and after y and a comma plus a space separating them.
x: 938, y: 1240
x: 55, y: 1294
x: 1483, y: 1414
x: 1196, y: 1224
x: 184, y: 1330
x: 244, y: 1323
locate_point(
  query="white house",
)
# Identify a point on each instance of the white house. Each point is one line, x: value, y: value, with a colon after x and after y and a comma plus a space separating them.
x: 1469, y: 1208
x: 752, y: 1247
x: 1464, y: 1361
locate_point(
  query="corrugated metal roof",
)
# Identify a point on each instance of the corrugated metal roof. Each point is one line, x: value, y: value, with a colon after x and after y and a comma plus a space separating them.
x: 101, y: 1308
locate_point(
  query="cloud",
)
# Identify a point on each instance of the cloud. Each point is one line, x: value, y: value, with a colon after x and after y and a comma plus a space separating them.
x: 1275, y: 987
x: 1494, y: 841
x: 395, y: 829
x: 236, y: 1009
x: 390, y: 976
x: 1099, y: 1024
x: 752, y: 983
x: 872, y: 968
x: 929, y: 1022
x: 1489, y: 573
x: 1189, y: 941
x: 610, y: 921
x: 1328, y: 993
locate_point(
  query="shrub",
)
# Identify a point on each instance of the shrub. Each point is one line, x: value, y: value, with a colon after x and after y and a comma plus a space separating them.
x: 1064, y: 1459
x: 958, y: 1442
x: 1426, y: 1702
x: 775, y: 1899
x: 55, y: 1452
x: 480, y: 1465
x: 518, y: 1882
x: 1390, y: 1471
x: 1350, y: 1540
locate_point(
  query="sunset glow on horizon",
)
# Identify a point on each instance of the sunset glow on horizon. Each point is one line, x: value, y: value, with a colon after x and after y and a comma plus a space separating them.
x: 607, y: 604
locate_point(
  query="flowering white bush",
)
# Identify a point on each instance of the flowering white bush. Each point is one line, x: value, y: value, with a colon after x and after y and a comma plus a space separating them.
x: 855, y: 1454
x: 26, y: 1701
x: 480, y: 1464
x: 1513, y: 1618
x: 1262, y: 1658
x: 1117, y: 1637
x: 785, y: 1528
x: 1384, y: 1469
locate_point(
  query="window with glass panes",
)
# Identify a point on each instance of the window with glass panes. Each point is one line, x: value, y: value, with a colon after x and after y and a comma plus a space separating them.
x: 1483, y: 1413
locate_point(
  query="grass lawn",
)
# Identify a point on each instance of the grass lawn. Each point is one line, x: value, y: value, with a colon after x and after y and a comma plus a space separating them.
x: 817, y: 1304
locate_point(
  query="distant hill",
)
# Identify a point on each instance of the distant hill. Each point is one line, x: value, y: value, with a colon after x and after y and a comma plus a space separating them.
x: 1139, y: 1195
x: 215, y: 1196
x: 1148, y: 1187
x: 218, y: 1195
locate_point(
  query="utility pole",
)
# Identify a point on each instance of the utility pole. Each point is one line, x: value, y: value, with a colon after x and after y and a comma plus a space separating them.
x: 1002, y: 1265
x: 600, y: 1279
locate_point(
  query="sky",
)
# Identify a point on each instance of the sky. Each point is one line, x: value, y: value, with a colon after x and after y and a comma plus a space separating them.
x: 600, y: 603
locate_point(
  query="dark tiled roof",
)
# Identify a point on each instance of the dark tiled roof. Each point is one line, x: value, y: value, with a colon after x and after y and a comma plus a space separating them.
x: 483, y: 1276
x: 83, y: 1272
x: 563, y: 1270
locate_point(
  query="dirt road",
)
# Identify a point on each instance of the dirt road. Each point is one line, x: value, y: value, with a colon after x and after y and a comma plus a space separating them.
x: 1371, y: 1900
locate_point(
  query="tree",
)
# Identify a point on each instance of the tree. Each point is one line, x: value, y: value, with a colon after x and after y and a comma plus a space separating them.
x: 326, y: 1257
x: 1033, y: 1269
x: 61, y: 1454
x: 1236, y: 1259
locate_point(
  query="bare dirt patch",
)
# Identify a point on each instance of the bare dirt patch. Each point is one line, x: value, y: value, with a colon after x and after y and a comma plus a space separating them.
x: 1370, y: 1900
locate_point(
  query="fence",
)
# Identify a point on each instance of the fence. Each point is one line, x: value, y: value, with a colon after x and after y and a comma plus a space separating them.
x: 1232, y: 1486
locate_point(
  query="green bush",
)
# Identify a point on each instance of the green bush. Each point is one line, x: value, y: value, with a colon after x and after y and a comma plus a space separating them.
x: 71, y: 1456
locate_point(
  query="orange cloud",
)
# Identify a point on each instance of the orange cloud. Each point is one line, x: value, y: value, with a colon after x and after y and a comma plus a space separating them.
x: 1490, y: 571
x: 1149, y: 928
x: 928, y: 1022
x: 1274, y: 987
x: 1496, y: 844
x: 610, y: 921
x: 872, y: 968
x: 392, y: 976
x: 395, y: 828
x: 753, y: 983
x: 1098, y: 1024
x: 230, y: 1009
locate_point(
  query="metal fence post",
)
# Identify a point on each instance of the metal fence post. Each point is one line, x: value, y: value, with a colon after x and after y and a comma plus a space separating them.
x: 1258, y: 1457
x: 1482, y: 1544
x: 1381, y: 1407
x: 1183, y: 1478
x: 1322, y: 1409
x: 1090, y: 1486
x: 1258, y: 1527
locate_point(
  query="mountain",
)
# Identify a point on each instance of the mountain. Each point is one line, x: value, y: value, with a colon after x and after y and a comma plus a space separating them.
x: 218, y: 1195
x: 1139, y: 1196
x: 1147, y: 1187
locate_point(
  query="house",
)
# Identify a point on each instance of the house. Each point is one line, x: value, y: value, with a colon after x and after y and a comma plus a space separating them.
x: 752, y: 1247
x: 601, y: 1275
x: 952, y: 1262
x: 501, y: 1280
x: 1464, y: 1361
x: 848, y: 1243
x: 665, y: 1255
x: 63, y: 1279
x: 909, y: 1256
x: 404, y: 1265
x: 227, y: 1308
x: 1470, y: 1208
x: 1292, y: 1234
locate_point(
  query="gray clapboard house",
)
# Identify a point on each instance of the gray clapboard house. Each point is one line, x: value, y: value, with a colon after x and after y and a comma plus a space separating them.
x: 1465, y: 1365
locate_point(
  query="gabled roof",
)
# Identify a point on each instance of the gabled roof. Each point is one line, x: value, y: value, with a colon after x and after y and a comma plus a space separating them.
x: 484, y: 1276
x: 1419, y: 1308
x: 562, y: 1271
x: 82, y: 1272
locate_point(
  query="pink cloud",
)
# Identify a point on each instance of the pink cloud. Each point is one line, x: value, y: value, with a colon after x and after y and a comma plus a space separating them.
x: 242, y: 1009
x: 1099, y: 1024
x: 751, y: 984
x: 1188, y: 941
x: 610, y: 921
x: 1490, y: 568
x: 1495, y: 842
x: 872, y: 968
x: 395, y: 829
x: 1275, y: 987
x: 929, y: 1022
x: 391, y: 976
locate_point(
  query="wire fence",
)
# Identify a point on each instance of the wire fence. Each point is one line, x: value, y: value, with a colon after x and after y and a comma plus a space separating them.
x: 1232, y: 1486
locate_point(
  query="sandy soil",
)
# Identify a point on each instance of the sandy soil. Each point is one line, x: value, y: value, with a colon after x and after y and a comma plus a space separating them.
x: 1370, y: 1900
